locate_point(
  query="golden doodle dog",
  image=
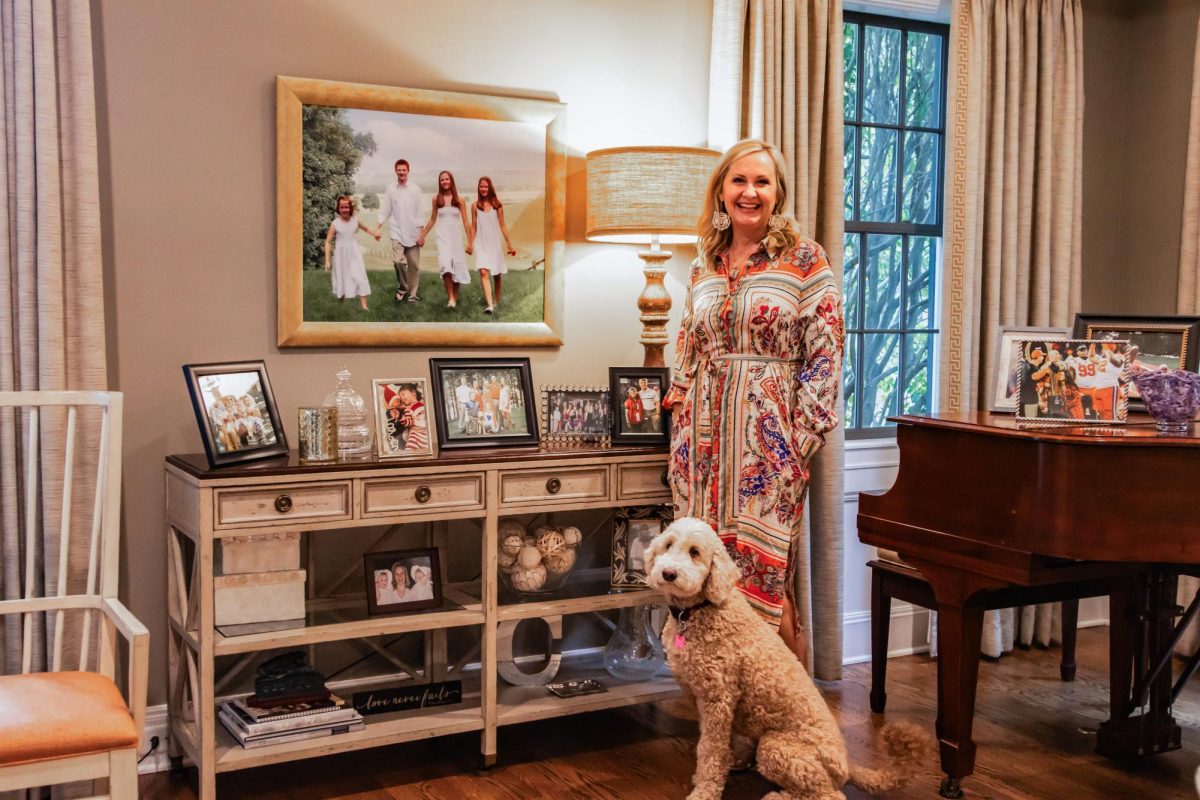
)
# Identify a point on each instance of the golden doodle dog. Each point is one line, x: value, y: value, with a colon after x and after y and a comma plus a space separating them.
x: 745, y: 680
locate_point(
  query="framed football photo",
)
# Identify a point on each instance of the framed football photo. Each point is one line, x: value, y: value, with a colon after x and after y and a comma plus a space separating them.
x: 1074, y: 381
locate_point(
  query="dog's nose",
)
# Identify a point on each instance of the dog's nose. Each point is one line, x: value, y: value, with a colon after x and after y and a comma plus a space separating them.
x: 669, y: 575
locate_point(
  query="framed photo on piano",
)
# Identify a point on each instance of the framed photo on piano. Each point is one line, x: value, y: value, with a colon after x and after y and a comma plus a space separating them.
x: 1158, y: 341
x: 1074, y: 381
x: 1006, y: 377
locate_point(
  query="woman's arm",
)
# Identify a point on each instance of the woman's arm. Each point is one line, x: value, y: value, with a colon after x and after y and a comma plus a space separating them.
x: 368, y: 231
x: 328, y: 244
x: 468, y: 230
x: 686, y: 357
x: 508, y: 248
x: 819, y: 376
x: 429, y: 225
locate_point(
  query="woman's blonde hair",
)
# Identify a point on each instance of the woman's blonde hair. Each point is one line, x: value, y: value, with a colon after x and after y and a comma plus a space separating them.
x: 712, y: 241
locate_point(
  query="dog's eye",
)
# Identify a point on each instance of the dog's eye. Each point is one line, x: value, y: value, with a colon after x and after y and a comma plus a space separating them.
x: 694, y: 552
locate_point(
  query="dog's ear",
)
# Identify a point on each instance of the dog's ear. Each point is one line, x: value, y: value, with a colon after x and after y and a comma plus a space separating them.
x: 722, y: 576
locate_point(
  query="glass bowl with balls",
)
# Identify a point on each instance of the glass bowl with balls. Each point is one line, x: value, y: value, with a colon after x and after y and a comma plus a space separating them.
x: 536, y: 560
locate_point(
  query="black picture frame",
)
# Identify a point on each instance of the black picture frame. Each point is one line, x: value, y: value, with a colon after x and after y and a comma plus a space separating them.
x: 465, y: 423
x: 634, y: 528
x: 230, y: 383
x: 1149, y: 334
x: 411, y: 560
x: 623, y: 431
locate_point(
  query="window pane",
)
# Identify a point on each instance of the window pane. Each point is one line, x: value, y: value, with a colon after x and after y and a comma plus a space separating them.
x: 880, y: 365
x: 852, y: 274
x: 923, y: 81
x: 850, y: 70
x: 881, y: 75
x: 848, y: 169
x: 884, y: 269
x: 924, y: 253
x: 920, y: 176
x: 877, y: 175
x: 850, y: 379
x: 918, y: 367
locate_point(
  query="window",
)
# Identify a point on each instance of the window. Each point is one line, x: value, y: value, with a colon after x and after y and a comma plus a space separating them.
x: 895, y: 88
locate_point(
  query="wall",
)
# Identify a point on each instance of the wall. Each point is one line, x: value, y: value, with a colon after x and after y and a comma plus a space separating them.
x: 187, y: 140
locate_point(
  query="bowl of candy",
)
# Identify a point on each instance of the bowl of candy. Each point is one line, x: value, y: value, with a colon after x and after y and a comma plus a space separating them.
x: 1172, y: 396
x: 536, y: 561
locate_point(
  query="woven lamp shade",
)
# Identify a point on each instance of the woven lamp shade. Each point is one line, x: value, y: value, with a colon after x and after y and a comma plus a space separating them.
x: 635, y: 193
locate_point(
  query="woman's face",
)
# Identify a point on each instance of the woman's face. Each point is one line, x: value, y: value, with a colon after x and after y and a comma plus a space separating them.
x: 344, y: 209
x: 485, y: 189
x: 444, y: 181
x: 749, y: 192
x: 400, y: 577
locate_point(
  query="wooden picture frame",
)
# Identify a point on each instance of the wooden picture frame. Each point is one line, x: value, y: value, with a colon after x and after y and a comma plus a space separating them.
x: 403, y: 427
x: 633, y: 529
x: 1053, y: 391
x: 643, y: 421
x: 1006, y: 376
x: 235, y: 411
x: 519, y: 142
x: 418, y: 566
x: 1166, y: 340
x: 483, y: 402
x: 573, y: 416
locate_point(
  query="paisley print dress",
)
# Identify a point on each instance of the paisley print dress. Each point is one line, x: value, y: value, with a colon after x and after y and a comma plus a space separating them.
x: 758, y: 372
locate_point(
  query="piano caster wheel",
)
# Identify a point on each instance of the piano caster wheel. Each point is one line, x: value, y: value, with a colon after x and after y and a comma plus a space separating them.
x: 176, y: 765
x: 950, y: 788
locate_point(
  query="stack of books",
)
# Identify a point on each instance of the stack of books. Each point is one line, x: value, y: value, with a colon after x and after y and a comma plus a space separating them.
x: 259, y: 727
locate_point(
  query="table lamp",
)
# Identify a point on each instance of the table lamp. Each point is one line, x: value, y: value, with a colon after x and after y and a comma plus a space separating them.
x: 654, y: 196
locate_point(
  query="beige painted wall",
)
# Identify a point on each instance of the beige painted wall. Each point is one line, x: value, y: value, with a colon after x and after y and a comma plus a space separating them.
x: 186, y: 97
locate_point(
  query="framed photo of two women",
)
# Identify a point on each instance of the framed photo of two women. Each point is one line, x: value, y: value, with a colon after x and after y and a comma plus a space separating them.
x: 417, y: 218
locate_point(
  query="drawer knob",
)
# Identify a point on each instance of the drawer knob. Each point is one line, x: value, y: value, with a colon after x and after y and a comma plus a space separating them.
x: 663, y: 478
x: 283, y: 503
x: 553, y: 485
x: 423, y: 494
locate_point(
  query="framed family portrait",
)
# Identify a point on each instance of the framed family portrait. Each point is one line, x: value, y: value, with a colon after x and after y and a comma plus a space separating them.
x: 1006, y: 381
x: 1074, y: 381
x: 572, y: 415
x: 1155, y: 341
x: 235, y: 411
x: 633, y: 530
x: 483, y: 402
x: 638, y: 413
x: 399, y: 581
x: 402, y: 422
x: 380, y: 189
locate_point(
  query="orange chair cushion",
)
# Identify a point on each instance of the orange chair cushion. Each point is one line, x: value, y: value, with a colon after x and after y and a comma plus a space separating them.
x: 51, y: 715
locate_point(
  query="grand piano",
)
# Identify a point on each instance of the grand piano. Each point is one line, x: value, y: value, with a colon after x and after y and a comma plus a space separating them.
x: 986, y: 504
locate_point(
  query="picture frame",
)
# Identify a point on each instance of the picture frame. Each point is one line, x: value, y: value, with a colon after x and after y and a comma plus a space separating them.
x: 1074, y: 381
x: 483, y: 402
x: 385, y: 571
x: 235, y: 411
x: 633, y: 529
x: 402, y: 424
x: 1163, y: 340
x: 366, y: 131
x: 1006, y: 377
x: 573, y: 416
x: 641, y: 419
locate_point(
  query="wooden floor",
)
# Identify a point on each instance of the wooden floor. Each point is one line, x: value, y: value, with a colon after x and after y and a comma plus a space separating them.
x: 1035, y: 736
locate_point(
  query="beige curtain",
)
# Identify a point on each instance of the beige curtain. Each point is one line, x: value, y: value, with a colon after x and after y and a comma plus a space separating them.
x: 1188, y: 301
x: 51, y: 282
x: 1014, y: 194
x: 776, y: 74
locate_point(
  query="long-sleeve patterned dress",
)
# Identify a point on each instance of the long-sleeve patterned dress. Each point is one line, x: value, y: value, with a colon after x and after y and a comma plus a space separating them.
x: 758, y: 372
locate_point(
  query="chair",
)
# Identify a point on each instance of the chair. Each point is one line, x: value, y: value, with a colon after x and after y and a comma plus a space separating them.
x: 70, y: 722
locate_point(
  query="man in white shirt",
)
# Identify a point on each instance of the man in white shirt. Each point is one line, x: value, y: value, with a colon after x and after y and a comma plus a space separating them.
x: 650, y: 409
x: 402, y: 210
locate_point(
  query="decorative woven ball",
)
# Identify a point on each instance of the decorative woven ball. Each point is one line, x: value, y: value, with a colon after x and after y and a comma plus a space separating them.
x: 529, y: 580
x: 506, y: 560
x: 540, y: 529
x: 551, y: 543
x: 512, y: 526
x: 529, y: 557
x: 529, y: 541
x: 511, y: 543
x: 572, y: 536
x: 560, y: 563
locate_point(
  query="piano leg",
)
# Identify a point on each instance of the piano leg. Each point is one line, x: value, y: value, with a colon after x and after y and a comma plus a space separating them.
x: 881, y: 617
x: 960, y: 628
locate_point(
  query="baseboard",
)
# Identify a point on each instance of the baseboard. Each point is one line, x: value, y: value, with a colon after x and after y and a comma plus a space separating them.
x: 158, y: 723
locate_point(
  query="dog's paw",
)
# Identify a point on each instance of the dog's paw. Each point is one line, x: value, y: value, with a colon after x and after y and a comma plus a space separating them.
x: 706, y: 793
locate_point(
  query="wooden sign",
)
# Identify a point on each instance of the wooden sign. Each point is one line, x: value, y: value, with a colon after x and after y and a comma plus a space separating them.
x: 403, y: 698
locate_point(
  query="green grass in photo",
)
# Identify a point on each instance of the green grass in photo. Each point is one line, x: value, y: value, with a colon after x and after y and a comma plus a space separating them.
x: 521, y: 300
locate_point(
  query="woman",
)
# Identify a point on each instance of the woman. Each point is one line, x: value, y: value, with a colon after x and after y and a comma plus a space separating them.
x: 757, y: 376
x: 487, y: 229
x: 400, y: 582
x: 349, y: 277
x: 449, y: 215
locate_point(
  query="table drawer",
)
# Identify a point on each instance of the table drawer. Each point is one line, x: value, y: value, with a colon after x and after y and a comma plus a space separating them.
x: 519, y: 487
x: 642, y: 482
x: 282, y: 504
x: 421, y: 494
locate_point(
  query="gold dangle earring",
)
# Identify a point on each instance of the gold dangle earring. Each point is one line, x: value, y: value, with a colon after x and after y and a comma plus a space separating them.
x: 777, y: 222
x: 720, y: 220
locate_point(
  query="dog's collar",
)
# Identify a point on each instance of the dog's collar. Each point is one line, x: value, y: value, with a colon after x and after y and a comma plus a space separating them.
x: 682, y: 614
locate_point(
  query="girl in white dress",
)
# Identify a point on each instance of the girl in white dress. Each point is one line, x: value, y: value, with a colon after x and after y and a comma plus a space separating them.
x: 349, y: 273
x: 450, y: 216
x: 487, y: 230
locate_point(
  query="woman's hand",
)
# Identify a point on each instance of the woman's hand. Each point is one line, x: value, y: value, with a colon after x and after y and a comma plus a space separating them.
x: 327, y: 266
x: 512, y: 251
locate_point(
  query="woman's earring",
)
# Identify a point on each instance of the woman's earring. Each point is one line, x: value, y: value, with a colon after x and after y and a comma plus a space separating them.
x: 777, y: 222
x: 720, y: 220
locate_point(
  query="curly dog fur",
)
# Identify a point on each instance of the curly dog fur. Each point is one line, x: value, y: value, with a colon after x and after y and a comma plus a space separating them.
x: 745, y: 680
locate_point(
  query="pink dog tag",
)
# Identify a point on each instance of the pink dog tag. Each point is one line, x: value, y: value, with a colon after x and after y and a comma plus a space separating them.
x: 679, y: 641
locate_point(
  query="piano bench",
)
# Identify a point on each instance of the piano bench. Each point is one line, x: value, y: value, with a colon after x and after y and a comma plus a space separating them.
x: 891, y: 577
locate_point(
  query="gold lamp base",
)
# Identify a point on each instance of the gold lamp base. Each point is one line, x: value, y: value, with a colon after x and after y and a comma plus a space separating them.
x: 655, y: 304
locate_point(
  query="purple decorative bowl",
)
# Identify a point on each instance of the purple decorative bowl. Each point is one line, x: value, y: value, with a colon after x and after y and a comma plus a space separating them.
x: 1172, y: 397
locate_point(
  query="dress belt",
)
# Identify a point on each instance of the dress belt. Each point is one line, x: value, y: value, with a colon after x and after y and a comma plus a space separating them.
x: 752, y: 357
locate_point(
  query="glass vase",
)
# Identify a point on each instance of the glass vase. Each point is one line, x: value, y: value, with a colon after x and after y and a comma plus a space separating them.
x: 354, y: 437
x: 634, y: 653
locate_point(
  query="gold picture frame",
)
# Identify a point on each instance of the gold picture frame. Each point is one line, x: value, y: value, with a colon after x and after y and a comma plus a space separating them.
x: 431, y: 322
